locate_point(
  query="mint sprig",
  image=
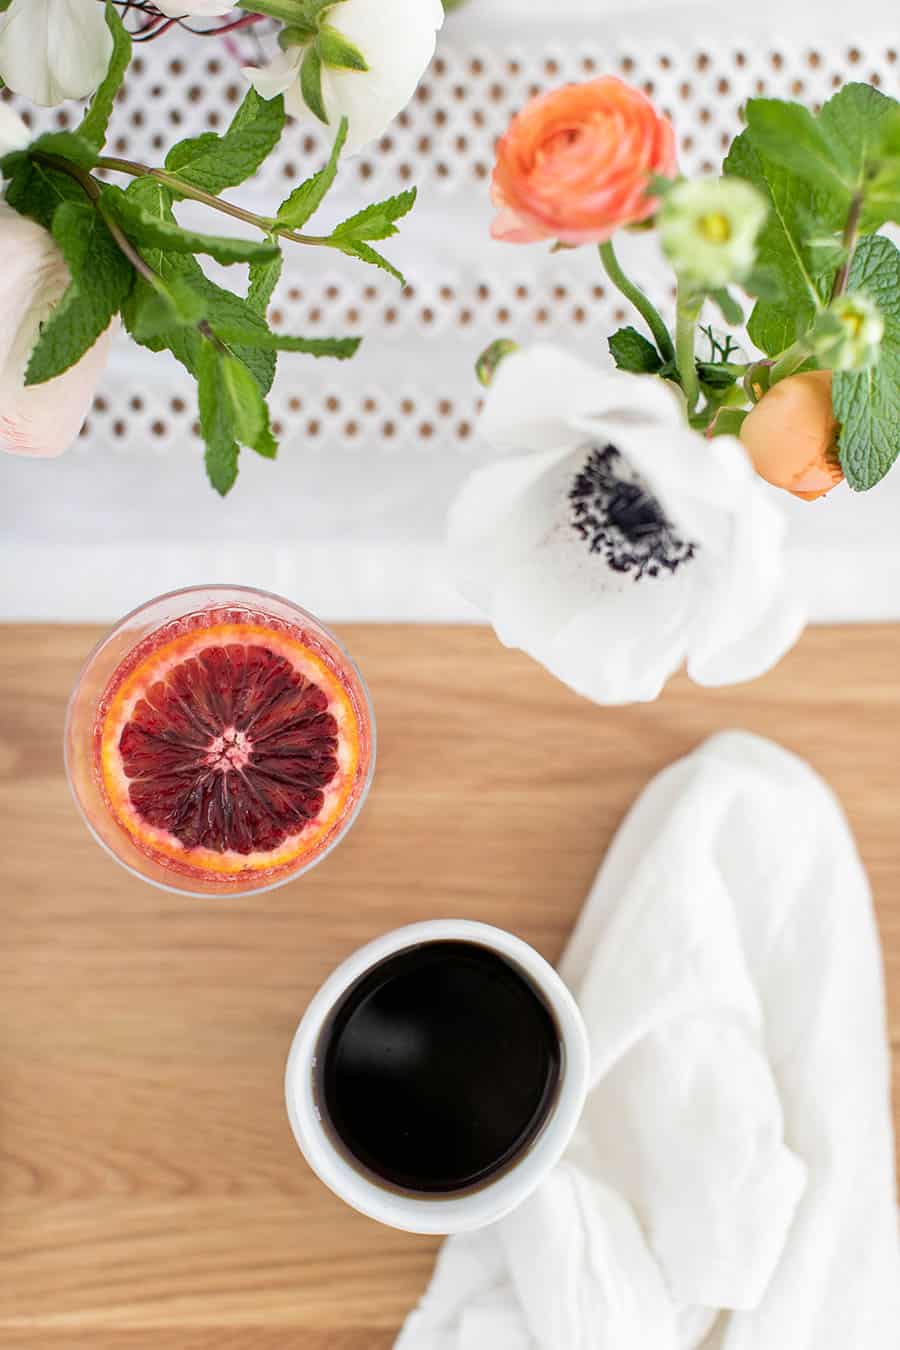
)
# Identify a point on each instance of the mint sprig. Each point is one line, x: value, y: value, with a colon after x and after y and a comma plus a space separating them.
x: 803, y: 282
x: 213, y: 163
x: 95, y: 122
x: 101, y: 281
x: 306, y: 199
x: 867, y: 402
x: 128, y: 254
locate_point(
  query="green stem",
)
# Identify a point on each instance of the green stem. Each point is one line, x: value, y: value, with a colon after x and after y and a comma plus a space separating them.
x: 91, y: 190
x: 286, y: 10
x: 176, y: 184
x: 790, y: 360
x: 851, y: 230
x: 688, y: 311
x: 636, y: 296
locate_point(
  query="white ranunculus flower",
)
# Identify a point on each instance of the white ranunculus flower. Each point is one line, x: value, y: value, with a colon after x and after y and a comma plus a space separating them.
x: 51, y: 50
x: 43, y: 419
x: 622, y: 544
x: 397, y: 40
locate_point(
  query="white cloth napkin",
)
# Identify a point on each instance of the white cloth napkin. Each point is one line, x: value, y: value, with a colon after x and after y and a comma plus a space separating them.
x: 731, y: 1183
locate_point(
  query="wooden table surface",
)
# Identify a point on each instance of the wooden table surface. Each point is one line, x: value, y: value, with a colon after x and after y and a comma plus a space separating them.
x: 151, y: 1195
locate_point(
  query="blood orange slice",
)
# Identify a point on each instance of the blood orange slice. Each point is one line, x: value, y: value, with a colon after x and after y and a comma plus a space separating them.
x: 228, y: 745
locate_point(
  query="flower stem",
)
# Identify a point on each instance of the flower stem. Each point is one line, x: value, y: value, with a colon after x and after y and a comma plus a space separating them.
x: 851, y: 230
x: 176, y: 184
x: 636, y: 296
x: 789, y: 360
x: 688, y: 311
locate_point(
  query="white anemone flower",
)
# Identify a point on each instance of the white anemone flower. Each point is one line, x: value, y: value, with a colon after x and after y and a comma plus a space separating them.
x: 41, y: 419
x: 51, y: 50
x: 618, y: 544
x: 396, y: 38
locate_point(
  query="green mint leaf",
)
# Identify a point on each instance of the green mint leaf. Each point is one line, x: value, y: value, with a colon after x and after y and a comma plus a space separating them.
x: 366, y: 254
x: 341, y: 348
x: 781, y: 252
x: 184, y: 342
x: 233, y: 412
x: 60, y: 144
x: 96, y: 119
x: 308, y: 197
x: 311, y: 84
x: 858, y: 123
x: 216, y: 423
x: 763, y: 282
x: 787, y: 134
x: 715, y: 375
x: 837, y: 154
x: 632, y: 351
x: 35, y: 190
x: 147, y: 230
x: 867, y: 402
x: 213, y: 162
x: 376, y: 221
x: 101, y: 279
x: 264, y: 277
x: 882, y: 202
x: 727, y: 306
x: 336, y: 51
x: 154, y: 312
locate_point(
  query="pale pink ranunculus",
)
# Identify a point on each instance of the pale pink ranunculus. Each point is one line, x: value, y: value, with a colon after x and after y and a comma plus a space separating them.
x: 575, y: 164
x: 40, y: 419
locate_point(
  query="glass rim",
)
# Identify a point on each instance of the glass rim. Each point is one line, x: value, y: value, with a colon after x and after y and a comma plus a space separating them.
x: 346, y: 824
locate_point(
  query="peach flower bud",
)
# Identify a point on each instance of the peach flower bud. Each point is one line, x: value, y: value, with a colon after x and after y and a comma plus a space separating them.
x: 791, y: 435
x: 575, y: 164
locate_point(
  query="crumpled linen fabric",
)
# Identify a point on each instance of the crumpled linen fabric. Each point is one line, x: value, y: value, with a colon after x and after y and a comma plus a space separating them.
x: 731, y: 1183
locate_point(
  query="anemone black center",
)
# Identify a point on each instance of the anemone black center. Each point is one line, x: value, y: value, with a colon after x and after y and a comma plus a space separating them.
x: 618, y: 517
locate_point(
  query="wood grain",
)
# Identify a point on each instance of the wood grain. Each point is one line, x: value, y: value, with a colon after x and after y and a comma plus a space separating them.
x: 151, y: 1197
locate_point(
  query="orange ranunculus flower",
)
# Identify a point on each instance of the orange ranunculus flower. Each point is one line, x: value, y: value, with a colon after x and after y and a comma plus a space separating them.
x: 575, y: 162
x: 791, y: 435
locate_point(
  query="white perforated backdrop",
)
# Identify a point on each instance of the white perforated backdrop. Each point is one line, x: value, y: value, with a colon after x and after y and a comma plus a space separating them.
x: 349, y: 520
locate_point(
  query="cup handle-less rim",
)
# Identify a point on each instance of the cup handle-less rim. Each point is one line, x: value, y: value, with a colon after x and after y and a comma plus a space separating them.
x: 438, y: 1214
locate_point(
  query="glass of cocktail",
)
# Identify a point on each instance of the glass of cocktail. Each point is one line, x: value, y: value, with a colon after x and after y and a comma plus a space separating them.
x: 219, y: 741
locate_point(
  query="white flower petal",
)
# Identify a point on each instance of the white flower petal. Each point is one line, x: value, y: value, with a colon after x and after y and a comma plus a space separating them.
x: 517, y: 556
x: 543, y: 397
x: 397, y: 39
x: 625, y: 647
x: 14, y: 135
x: 752, y: 653
x: 282, y: 74
x: 751, y: 616
x: 600, y: 619
x: 476, y: 524
x: 44, y: 419
x: 179, y: 9
x: 52, y: 50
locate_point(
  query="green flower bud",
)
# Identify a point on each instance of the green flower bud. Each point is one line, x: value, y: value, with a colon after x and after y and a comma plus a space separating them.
x: 489, y: 361
x: 709, y: 228
x: 847, y: 336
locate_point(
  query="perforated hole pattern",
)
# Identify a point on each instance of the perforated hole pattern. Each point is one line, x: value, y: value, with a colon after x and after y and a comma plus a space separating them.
x: 412, y: 383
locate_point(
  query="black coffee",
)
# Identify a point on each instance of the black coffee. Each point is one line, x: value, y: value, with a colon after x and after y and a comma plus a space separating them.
x: 439, y: 1067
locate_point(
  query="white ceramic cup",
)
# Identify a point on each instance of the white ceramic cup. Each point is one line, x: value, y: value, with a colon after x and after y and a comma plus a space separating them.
x: 455, y: 1213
